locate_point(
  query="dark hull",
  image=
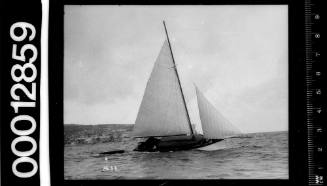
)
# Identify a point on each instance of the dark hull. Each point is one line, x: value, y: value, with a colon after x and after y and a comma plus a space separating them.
x: 175, y: 143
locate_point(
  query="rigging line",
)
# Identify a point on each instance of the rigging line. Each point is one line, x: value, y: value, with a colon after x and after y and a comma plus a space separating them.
x: 180, y: 86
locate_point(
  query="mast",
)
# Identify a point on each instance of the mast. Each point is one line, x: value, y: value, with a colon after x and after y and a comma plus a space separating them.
x: 179, y: 82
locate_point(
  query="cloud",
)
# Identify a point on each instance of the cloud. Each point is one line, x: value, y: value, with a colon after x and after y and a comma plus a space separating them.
x: 237, y: 55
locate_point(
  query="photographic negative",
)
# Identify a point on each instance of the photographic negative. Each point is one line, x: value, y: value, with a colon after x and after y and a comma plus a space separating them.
x: 194, y: 93
x: 176, y: 92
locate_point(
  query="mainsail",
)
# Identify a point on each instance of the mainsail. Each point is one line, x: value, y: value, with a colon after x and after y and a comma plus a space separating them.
x: 214, y: 124
x: 163, y: 110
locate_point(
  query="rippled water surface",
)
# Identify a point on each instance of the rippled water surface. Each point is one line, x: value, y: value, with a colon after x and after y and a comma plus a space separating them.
x: 263, y: 155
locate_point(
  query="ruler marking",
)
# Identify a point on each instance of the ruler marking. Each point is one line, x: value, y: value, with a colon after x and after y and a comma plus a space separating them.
x: 309, y: 78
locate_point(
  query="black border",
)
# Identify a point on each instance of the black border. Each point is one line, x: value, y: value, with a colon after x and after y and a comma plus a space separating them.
x: 11, y: 12
x: 297, y: 125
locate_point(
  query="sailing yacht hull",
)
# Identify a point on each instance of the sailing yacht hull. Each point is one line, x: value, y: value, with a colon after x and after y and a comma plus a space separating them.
x: 174, y: 143
x: 163, y: 112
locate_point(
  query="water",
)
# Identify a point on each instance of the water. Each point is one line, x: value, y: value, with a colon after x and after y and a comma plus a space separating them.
x: 262, y: 156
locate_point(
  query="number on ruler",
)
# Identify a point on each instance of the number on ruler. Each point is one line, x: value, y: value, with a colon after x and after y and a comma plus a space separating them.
x: 318, y: 91
x: 319, y: 179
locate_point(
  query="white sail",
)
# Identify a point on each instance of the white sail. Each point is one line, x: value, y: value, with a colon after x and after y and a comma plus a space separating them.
x: 214, y: 124
x: 162, y: 111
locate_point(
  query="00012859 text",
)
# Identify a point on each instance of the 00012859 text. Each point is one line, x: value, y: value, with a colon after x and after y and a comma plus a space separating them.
x: 21, y: 67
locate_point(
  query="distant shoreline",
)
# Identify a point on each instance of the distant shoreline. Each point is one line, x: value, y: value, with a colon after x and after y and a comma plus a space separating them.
x: 125, y: 125
x: 94, y: 124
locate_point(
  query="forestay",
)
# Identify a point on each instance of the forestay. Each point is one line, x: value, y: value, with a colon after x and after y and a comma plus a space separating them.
x: 214, y: 124
x: 162, y: 111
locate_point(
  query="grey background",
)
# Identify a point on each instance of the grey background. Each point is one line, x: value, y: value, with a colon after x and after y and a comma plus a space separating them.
x: 237, y: 55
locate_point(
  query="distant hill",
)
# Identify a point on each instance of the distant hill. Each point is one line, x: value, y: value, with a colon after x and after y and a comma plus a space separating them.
x: 90, y: 134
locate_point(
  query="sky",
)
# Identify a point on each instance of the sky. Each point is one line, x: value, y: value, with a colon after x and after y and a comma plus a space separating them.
x: 236, y: 54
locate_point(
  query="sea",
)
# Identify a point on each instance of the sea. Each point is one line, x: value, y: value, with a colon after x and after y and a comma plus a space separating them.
x: 252, y: 156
